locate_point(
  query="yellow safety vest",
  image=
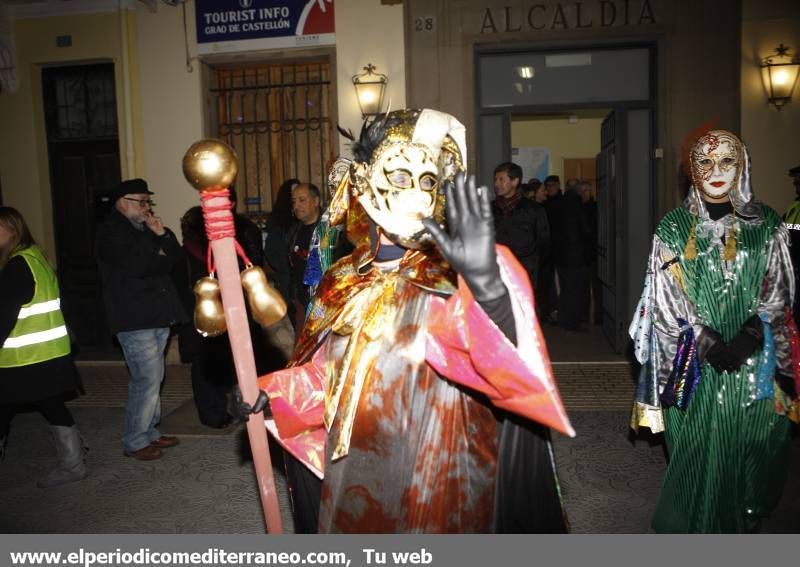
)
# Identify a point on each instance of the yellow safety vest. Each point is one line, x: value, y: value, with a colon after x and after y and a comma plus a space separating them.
x: 40, y: 333
x: 792, y: 216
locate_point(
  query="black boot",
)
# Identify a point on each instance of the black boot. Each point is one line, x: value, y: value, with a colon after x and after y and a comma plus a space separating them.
x: 71, y: 453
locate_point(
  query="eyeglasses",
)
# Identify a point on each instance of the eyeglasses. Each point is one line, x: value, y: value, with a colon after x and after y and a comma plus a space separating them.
x: 142, y: 202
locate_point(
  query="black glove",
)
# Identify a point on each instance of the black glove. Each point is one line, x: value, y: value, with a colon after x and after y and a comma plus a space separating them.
x: 468, y: 245
x: 710, y: 346
x: 732, y: 355
x: 242, y: 410
x: 713, y: 350
x: 746, y: 342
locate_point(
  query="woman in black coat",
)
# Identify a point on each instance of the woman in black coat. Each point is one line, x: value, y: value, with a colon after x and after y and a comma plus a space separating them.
x: 36, y: 369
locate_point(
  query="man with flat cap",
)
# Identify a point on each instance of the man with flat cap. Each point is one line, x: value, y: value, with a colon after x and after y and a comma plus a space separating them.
x: 136, y: 254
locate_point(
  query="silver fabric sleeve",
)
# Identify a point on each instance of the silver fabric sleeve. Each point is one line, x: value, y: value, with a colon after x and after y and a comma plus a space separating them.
x: 669, y: 304
x: 778, y: 294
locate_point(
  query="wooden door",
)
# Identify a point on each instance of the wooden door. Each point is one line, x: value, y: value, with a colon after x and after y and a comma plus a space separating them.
x: 80, y: 111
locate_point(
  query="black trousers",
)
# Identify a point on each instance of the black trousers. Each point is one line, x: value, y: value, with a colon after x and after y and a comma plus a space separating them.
x: 214, y: 373
x: 574, y: 294
x: 305, y: 490
x: 53, y: 410
x: 546, y: 292
x: 213, y: 376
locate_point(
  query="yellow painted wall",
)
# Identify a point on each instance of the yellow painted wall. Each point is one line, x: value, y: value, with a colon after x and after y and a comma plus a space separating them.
x: 772, y: 136
x: 166, y: 100
x: 564, y: 140
x: 368, y: 31
x: 172, y: 106
x: 23, y: 145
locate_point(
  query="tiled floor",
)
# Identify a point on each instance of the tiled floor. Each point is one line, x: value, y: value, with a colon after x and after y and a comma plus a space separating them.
x: 609, y: 477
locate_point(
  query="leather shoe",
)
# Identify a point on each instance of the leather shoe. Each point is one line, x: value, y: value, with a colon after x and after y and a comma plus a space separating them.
x: 148, y: 453
x: 165, y: 442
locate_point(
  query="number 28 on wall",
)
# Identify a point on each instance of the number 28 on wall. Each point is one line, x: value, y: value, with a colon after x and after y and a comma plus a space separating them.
x: 424, y: 24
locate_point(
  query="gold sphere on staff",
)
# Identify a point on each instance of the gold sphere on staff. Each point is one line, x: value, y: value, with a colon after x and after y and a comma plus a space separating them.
x: 210, y: 165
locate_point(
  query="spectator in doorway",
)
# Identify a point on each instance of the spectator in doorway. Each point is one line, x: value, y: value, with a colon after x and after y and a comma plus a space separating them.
x: 589, y: 227
x: 136, y: 254
x: 570, y: 261
x: 519, y: 223
x: 548, y: 291
x: 306, y: 201
x: 529, y: 190
x: 277, y: 228
x: 36, y: 370
x: 572, y: 185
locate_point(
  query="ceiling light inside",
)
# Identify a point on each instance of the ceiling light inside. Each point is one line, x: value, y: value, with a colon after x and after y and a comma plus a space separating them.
x: 526, y: 72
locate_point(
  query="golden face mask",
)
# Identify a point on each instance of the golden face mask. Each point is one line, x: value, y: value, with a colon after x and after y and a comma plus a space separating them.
x: 403, y: 183
x: 717, y: 160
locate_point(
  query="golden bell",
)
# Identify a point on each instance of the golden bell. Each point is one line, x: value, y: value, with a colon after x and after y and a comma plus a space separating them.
x: 266, y: 303
x: 209, y: 316
x: 210, y: 165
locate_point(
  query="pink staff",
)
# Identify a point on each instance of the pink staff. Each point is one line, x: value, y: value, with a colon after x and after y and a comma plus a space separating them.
x: 211, y: 166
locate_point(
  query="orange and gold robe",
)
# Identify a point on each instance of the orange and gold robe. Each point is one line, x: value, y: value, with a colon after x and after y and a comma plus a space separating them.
x: 393, y: 392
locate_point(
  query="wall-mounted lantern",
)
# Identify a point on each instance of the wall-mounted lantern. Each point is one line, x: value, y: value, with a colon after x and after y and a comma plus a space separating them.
x: 779, y: 73
x: 370, y: 87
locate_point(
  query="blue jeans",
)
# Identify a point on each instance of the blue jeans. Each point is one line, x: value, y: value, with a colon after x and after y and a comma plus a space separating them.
x: 144, y: 353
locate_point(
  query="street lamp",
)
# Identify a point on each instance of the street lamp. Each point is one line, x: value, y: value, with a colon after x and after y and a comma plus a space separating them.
x: 779, y: 73
x: 369, y: 90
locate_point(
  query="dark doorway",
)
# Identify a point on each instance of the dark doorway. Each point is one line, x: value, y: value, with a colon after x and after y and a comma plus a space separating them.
x: 82, y: 141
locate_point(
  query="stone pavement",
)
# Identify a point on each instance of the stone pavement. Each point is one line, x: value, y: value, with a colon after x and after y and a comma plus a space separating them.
x: 609, y: 477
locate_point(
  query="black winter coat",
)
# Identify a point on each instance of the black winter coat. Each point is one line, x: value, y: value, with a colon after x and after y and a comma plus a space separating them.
x: 526, y: 232
x: 137, y: 287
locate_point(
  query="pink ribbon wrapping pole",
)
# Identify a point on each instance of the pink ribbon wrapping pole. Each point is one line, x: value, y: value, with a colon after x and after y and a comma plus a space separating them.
x: 217, y: 210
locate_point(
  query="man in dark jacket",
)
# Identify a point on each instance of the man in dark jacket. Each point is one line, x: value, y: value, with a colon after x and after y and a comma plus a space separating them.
x: 570, y: 260
x: 554, y: 209
x: 520, y: 224
x: 306, y: 201
x: 136, y: 254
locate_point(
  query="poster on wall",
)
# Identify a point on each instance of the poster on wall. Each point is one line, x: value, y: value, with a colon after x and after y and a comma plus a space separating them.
x: 535, y: 162
x: 226, y: 26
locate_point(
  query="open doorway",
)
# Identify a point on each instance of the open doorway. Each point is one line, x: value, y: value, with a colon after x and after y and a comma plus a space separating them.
x: 566, y: 144
x: 557, y: 110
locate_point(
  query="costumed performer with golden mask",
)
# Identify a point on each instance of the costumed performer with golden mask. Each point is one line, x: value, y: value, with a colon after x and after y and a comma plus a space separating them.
x: 718, y: 348
x: 407, y: 393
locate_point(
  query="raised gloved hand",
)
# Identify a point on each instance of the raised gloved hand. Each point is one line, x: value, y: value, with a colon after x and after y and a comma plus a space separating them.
x: 242, y: 410
x: 468, y: 244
